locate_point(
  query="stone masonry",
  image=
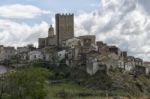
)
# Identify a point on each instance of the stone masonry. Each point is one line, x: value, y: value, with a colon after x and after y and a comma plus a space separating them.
x: 64, y: 28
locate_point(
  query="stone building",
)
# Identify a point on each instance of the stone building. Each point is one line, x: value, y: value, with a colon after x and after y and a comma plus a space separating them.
x: 64, y: 31
x: 72, y: 43
x: 129, y: 63
x: 22, y: 49
x: 51, y: 39
x: 61, y: 55
x: 35, y: 55
x: 87, y: 43
x: 48, y: 41
x: 22, y: 54
x: 114, y: 49
x: 122, y: 59
x: 87, y: 40
x: 104, y: 50
x: 101, y: 44
x: 139, y: 70
x: 94, y: 63
x: 146, y: 64
x: 42, y: 42
x: 138, y: 61
x: 6, y: 53
x: 74, y: 51
x: 64, y: 28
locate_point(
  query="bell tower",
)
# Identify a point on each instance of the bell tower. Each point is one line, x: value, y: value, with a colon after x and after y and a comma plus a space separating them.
x: 51, y: 31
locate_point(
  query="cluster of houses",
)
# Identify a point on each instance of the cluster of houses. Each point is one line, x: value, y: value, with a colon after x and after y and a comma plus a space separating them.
x: 100, y: 56
x: 75, y: 51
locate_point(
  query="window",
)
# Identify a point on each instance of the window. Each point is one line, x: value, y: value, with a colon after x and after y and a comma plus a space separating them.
x: 34, y: 56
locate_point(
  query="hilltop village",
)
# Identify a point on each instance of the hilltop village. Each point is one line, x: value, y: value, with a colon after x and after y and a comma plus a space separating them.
x: 62, y: 45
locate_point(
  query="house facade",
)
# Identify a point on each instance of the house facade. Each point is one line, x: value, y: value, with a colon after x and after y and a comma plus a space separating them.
x: 35, y: 55
x: 6, y: 53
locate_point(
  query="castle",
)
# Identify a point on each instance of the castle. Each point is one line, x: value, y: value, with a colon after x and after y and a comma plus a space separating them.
x: 64, y: 31
x: 83, y: 51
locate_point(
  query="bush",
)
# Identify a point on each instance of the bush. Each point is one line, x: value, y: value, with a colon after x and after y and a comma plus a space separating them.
x: 26, y: 83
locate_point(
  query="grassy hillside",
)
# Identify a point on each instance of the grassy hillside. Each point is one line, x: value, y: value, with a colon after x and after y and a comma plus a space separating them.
x: 75, y: 83
x: 101, y: 86
x: 73, y: 91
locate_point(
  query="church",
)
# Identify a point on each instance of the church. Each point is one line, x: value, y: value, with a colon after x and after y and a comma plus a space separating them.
x: 64, y: 31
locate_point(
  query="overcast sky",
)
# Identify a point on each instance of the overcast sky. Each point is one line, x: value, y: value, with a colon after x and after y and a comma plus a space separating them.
x: 124, y: 23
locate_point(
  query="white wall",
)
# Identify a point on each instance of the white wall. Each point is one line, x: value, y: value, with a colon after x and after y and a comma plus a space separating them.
x: 35, y: 55
x: 61, y: 54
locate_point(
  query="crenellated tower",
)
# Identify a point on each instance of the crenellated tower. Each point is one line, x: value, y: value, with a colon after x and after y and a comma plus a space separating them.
x: 64, y: 27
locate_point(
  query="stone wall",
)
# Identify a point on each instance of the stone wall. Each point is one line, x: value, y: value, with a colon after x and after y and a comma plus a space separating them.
x: 64, y: 27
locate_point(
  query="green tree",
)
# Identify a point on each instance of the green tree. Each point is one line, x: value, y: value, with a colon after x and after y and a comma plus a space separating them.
x: 28, y: 83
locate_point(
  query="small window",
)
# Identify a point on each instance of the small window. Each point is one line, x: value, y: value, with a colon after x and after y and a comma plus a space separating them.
x: 34, y: 56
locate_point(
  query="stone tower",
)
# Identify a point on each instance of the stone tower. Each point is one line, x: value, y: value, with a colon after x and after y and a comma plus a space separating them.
x: 51, y: 31
x: 49, y: 41
x: 64, y: 27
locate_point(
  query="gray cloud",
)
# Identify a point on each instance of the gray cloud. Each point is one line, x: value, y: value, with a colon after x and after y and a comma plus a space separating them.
x: 119, y: 22
x: 145, y: 4
x: 16, y: 34
x: 124, y: 23
x: 21, y: 11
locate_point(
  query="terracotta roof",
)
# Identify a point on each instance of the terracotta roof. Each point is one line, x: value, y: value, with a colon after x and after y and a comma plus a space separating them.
x: 146, y: 62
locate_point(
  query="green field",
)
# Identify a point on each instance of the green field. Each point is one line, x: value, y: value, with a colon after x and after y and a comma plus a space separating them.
x: 73, y: 91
